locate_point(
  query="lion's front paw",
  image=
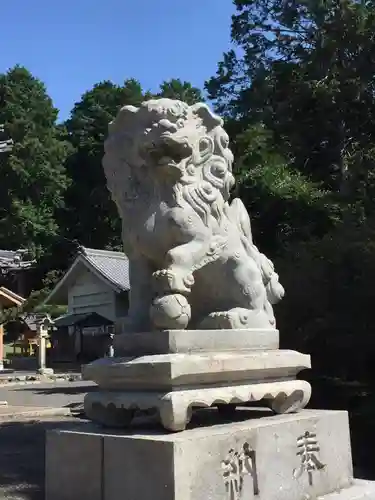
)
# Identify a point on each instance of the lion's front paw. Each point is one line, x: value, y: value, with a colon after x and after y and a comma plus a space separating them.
x: 176, y: 281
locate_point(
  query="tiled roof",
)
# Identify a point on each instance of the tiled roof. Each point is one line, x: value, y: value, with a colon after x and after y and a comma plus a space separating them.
x: 112, y: 265
x: 75, y: 319
x: 32, y: 320
x: 7, y: 254
x: 6, y: 145
x: 13, y: 259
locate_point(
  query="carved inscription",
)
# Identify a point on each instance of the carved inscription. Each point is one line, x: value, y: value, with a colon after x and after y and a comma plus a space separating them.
x: 307, y: 450
x: 235, y: 467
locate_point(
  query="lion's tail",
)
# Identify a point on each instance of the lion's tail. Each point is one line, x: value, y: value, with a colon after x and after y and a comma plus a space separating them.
x: 240, y: 216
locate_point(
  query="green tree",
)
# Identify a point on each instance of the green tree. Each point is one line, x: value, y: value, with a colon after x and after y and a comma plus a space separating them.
x: 177, y: 89
x: 33, y: 177
x: 328, y: 308
x: 298, y: 89
x: 34, y: 302
x: 285, y: 205
x: 90, y: 217
x: 303, y: 68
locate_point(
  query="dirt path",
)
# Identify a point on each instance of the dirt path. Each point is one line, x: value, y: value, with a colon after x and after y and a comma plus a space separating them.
x: 52, y: 394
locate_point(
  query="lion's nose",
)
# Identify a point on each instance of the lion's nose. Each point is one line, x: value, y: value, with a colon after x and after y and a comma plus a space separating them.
x: 168, y: 125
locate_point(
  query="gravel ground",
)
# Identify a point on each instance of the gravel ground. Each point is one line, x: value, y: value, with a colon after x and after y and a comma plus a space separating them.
x: 22, y: 456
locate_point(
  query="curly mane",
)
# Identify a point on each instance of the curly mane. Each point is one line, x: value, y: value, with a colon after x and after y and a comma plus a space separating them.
x: 206, y: 175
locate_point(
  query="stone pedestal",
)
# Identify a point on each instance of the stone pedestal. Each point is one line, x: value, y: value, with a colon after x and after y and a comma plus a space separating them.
x: 285, y: 457
x: 197, y: 380
x: 42, y: 351
x: 46, y: 371
x: 43, y: 327
x: 175, y: 372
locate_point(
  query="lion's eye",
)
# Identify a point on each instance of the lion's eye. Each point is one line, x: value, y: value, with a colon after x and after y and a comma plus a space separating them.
x: 204, y: 145
x: 180, y: 123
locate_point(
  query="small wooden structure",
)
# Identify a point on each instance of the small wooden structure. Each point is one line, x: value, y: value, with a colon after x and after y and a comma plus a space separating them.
x: 7, y: 299
x: 95, y: 288
x: 25, y: 333
x: 83, y: 337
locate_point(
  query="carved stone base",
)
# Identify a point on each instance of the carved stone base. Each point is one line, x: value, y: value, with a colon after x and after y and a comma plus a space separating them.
x: 258, y: 457
x: 174, y: 372
x: 168, y: 372
x: 117, y: 409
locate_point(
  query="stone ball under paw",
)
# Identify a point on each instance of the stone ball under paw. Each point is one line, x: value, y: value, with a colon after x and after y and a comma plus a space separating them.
x: 170, y: 312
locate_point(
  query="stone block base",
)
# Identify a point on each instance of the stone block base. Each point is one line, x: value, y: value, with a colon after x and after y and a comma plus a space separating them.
x: 261, y: 457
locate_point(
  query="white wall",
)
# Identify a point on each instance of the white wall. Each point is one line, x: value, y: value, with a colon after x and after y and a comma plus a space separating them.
x: 90, y: 294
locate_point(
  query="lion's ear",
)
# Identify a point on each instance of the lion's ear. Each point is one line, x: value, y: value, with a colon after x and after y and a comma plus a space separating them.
x: 125, y: 114
x: 210, y: 120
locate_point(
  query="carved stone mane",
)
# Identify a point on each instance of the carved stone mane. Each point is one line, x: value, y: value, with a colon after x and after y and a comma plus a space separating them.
x: 205, y: 178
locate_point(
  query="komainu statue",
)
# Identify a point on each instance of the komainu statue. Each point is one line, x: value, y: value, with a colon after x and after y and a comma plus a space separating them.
x: 193, y: 261
x: 195, y: 275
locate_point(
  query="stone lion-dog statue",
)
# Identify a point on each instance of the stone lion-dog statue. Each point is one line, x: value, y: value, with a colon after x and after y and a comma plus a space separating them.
x: 193, y: 262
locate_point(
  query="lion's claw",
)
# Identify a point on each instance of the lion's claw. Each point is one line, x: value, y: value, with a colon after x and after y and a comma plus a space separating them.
x: 167, y: 280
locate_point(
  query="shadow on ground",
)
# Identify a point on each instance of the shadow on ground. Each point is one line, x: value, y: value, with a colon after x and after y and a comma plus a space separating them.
x: 22, y: 457
x: 55, y: 389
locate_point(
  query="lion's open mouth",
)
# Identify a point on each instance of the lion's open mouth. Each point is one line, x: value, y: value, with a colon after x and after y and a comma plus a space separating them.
x: 170, y: 150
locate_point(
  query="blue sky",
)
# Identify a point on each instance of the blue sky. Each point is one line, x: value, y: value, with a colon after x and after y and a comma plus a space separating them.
x: 72, y: 44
